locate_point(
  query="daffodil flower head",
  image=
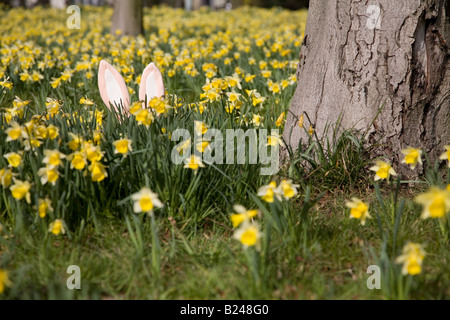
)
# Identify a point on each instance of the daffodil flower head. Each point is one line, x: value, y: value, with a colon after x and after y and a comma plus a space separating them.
x: 122, y: 146
x: 280, y: 120
x: 48, y: 174
x: 383, y: 170
x: 411, y: 258
x: 358, y: 210
x: 269, y: 192
x: 15, y: 132
x: 435, y: 202
x: 200, y: 128
x: 14, y: 159
x: 201, y: 146
x: 145, y: 201
x: 21, y: 189
x: 44, y: 206
x: 446, y: 155
x: 4, y: 280
x: 287, y: 189
x: 412, y: 157
x: 274, y: 140
x: 241, y: 215
x: 57, y: 227
x: 6, y: 176
x: 53, y: 157
x: 301, y: 121
x: 249, y: 235
x: 98, y: 171
x: 193, y: 162
x: 77, y: 160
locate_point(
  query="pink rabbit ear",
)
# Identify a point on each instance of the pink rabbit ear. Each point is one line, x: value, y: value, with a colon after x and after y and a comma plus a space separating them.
x: 151, y: 83
x: 113, y: 89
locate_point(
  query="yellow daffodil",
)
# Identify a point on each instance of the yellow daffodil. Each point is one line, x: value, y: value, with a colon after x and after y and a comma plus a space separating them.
x: 358, y: 210
x: 200, y: 128
x: 53, y: 157
x: 201, y: 146
x: 4, y: 280
x: 287, y: 189
x: 248, y: 234
x: 75, y: 141
x: 274, y: 140
x: 193, y: 162
x: 383, y: 170
x: 86, y: 101
x: 53, y: 106
x: 57, y: 227
x: 93, y: 152
x: 257, y: 120
x: 144, y: 117
x: 52, y: 132
x: 6, y: 176
x: 241, y: 215
x: 14, y: 159
x: 411, y: 258
x: 122, y: 146
x: 446, y: 155
x: 412, y: 157
x: 158, y: 105
x: 233, y: 96
x: 44, y: 206
x: 301, y: 121
x: 97, y: 137
x: 48, y: 174
x: 15, y: 132
x: 135, y: 107
x: 435, y: 202
x: 280, y: 120
x: 77, y: 160
x: 21, y: 189
x: 98, y: 171
x: 145, y: 201
x: 269, y: 192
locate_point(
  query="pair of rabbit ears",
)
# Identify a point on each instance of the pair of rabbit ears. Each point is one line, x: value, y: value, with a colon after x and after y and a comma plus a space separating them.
x: 114, y: 91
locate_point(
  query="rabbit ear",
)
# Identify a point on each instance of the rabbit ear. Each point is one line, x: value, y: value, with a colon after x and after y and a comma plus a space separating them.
x: 113, y: 89
x: 151, y: 83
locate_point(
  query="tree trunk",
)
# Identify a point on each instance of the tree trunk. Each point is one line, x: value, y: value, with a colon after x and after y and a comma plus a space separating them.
x: 127, y: 17
x: 358, y: 56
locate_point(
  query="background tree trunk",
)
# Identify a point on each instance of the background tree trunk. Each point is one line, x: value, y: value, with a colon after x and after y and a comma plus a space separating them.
x: 352, y: 62
x: 127, y: 17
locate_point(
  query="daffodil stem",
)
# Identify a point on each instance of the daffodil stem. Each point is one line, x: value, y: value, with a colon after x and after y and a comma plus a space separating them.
x: 156, y: 264
x: 252, y: 258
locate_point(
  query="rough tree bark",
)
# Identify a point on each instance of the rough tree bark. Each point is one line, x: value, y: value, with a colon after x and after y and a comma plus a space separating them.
x: 127, y: 17
x: 354, y: 60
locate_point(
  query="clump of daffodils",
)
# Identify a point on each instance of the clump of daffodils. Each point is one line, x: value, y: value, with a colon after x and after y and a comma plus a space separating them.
x: 286, y: 189
x: 411, y: 258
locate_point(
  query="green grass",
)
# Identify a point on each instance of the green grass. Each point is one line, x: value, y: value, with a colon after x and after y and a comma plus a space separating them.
x: 310, y: 248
